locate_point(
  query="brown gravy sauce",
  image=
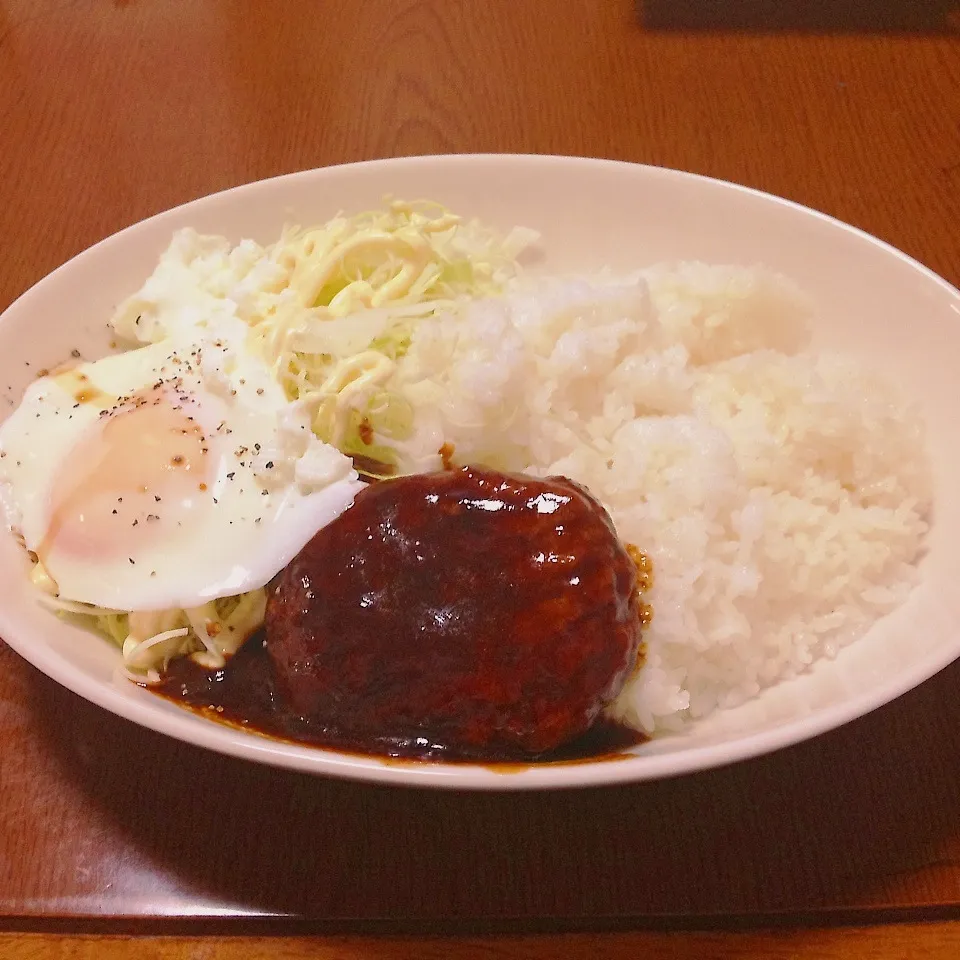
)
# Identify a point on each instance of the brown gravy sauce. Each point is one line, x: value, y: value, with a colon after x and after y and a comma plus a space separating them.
x: 80, y: 385
x: 243, y: 694
x: 371, y: 470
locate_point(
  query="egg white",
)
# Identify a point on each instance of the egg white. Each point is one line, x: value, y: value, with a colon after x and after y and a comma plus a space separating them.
x: 271, y: 485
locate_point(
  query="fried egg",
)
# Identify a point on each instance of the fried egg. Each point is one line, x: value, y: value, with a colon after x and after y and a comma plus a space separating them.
x: 169, y: 475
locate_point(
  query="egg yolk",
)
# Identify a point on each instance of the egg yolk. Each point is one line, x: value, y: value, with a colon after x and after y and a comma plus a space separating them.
x: 144, y: 470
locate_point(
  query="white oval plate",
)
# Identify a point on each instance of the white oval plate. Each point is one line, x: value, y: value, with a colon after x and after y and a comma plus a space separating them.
x: 873, y: 302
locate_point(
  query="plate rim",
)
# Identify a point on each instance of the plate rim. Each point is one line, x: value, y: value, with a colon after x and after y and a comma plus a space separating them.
x: 183, y: 724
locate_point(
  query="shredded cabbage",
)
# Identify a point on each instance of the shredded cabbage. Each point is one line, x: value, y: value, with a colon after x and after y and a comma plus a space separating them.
x: 149, y: 640
x: 356, y: 288
x: 332, y: 316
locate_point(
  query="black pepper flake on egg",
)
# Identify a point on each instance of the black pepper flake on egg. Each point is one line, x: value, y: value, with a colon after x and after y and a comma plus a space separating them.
x: 132, y: 561
x: 269, y: 464
x: 231, y: 475
x: 155, y: 497
x: 75, y: 354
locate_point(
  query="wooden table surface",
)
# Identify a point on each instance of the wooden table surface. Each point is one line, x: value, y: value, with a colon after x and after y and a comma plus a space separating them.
x: 111, y: 111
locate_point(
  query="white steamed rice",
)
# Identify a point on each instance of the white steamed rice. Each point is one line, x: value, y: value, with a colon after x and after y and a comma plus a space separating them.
x: 782, y: 494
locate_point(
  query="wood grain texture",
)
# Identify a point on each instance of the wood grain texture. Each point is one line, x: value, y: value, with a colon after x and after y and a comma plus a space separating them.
x: 100, y: 818
x: 935, y: 941
x: 112, y: 111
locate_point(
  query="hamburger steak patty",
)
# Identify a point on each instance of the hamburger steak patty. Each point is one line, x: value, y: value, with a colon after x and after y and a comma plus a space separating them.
x: 473, y: 614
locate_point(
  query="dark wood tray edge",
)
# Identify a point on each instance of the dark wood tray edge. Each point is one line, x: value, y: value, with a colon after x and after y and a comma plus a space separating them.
x: 299, y: 926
